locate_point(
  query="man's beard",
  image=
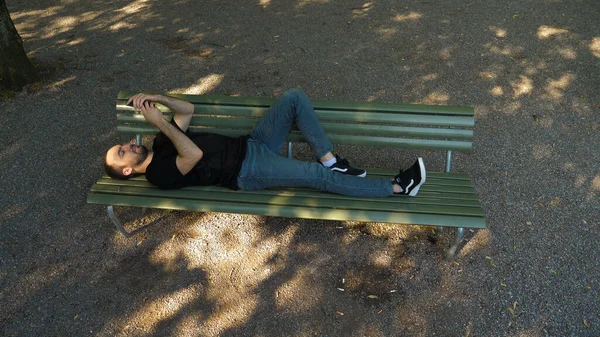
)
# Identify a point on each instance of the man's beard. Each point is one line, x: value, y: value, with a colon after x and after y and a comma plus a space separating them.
x: 142, y: 153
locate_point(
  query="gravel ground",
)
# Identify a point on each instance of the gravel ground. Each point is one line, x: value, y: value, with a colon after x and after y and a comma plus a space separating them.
x: 530, y: 69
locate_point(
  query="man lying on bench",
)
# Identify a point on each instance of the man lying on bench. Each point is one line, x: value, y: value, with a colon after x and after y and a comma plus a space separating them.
x: 180, y: 158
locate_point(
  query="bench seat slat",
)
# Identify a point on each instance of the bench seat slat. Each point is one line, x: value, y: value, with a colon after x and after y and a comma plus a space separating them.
x: 469, y: 198
x: 384, y: 172
x: 433, y: 178
x: 425, y: 204
x: 292, y: 212
x: 429, y: 189
x: 401, y: 204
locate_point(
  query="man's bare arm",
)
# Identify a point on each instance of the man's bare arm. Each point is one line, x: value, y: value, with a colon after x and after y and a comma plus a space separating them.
x: 183, y: 111
x: 189, y: 154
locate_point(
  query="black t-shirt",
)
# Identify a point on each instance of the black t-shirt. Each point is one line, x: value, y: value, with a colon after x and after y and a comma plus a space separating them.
x: 220, y: 164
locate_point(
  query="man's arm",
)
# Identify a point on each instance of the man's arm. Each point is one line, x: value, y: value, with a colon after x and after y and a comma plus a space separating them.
x: 183, y: 111
x: 189, y: 154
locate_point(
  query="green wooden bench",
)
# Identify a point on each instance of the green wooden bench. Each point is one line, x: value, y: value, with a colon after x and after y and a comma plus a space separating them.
x: 445, y: 200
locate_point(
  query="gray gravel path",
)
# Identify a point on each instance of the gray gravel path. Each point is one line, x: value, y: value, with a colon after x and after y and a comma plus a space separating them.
x: 530, y: 69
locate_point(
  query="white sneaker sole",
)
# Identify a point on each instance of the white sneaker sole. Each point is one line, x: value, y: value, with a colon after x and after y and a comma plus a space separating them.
x: 415, y: 190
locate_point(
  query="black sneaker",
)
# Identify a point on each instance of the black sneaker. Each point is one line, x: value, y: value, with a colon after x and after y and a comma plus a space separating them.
x: 410, y: 181
x: 344, y: 167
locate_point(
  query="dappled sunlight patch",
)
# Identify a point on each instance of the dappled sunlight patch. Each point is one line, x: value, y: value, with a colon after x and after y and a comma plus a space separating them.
x: 580, y: 180
x: 348, y: 238
x: 412, y: 16
x: 429, y: 77
x: 60, y: 26
x: 36, y: 14
x: 497, y: 91
x: 28, y: 22
x: 487, y: 75
x: 545, y: 32
x: 512, y: 107
x: 509, y: 50
x: 532, y: 68
x: 362, y: 10
x: 555, y: 88
x: 202, y: 86
x: 88, y: 16
x: 499, y: 32
x: 436, y: 98
x: 382, y: 258
x: 264, y: 3
x: 480, y: 239
x: 596, y: 183
x: 387, y: 33
x: 542, y: 151
x: 62, y: 82
x: 121, y: 25
x: 567, y: 53
x: 303, y: 3
x: 134, y: 7
x: 446, y: 53
x: 392, y: 233
x: 595, y: 47
x: 72, y: 43
x: 522, y: 86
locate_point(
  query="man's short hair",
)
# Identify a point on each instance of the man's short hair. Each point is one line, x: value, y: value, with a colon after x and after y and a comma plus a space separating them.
x: 115, y: 172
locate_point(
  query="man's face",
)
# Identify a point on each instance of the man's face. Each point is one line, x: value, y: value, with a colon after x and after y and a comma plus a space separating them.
x: 126, y: 155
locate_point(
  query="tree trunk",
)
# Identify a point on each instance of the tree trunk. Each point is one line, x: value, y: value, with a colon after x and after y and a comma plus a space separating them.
x: 15, y: 68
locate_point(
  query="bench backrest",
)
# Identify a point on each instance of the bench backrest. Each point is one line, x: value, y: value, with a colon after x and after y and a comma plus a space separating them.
x: 351, y: 123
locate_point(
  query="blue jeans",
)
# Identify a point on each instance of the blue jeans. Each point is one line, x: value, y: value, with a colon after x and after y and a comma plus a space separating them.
x: 264, y: 167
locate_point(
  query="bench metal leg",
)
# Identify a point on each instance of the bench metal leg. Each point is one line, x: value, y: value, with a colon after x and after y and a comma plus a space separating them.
x: 113, y: 217
x: 459, y: 236
x: 290, y: 150
x: 448, y: 161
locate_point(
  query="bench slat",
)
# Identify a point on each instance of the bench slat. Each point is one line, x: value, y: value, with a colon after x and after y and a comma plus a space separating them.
x: 433, y: 178
x: 401, y: 204
x: 388, y: 173
x: 341, y: 116
x: 415, y: 143
x: 429, y: 189
x: 135, y: 120
x: 317, y: 104
x: 425, y: 199
x: 292, y: 212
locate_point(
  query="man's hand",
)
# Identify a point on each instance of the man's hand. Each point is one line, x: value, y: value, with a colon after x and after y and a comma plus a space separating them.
x: 182, y: 110
x: 152, y: 114
x: 139, y: 99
